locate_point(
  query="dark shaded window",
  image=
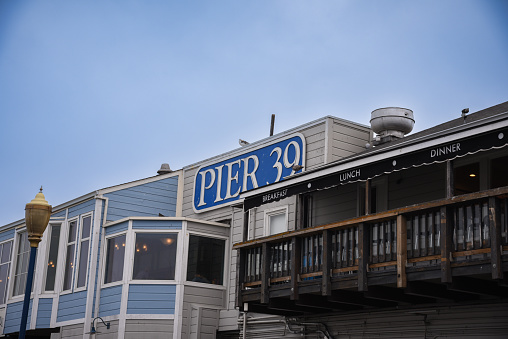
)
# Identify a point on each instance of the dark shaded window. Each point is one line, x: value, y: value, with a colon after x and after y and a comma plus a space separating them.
x: 498, y: 172
x: 54, y: 243
x: 206, y: 260
x: 155, y: 256
x: 5, y: 263
x: 114, y: 259
x: 466, y: 179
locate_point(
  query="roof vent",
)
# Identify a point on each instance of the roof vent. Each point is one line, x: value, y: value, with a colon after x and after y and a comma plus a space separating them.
x: 391, y: 123
x: 164, y: 169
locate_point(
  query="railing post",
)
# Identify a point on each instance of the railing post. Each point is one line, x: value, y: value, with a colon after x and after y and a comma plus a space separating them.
x: 240, y: 275
x: 363, y: 256
x: 296, y: 263
x: 446, y: 243
x: 495, y: 238
x: 401, y: 251
x: 326, y: 288
x: 265, y: 273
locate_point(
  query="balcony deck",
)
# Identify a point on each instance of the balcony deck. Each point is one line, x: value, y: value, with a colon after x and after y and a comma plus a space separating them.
x: 440, y: 252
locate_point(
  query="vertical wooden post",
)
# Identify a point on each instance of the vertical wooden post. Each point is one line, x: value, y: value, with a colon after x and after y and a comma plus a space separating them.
x: 449, y: 179
x: 240, y: 275
x: 495, y: 238
x: 245, y: 234
x: 265, y: 273
x: 446, y: 243
x: 326, y: 288
x: 299, y: 212
x: 367, y: 197
x: 363, y: 256
x: 401, y: 251
x: 296, y: 263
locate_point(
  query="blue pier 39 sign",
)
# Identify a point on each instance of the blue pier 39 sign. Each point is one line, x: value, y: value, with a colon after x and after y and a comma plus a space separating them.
x: 221, y: 183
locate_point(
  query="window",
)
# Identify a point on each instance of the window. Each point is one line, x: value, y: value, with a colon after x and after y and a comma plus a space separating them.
x: 155, y: 256
x: 69, y: 258
x: 54, y: 242
x: 206, y: 260
x: 276, y: 221
x: 84, y: 246
x: 5, y: 263
x: 22, y: 259
x: 114, y: 259
x: 498, y: 170
x: 467, y: 178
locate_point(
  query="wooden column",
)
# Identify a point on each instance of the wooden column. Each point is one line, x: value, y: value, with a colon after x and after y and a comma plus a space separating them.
x: 367, y: 197
x: 496, y: 245
x: 265, y: 273
x: 326, y: 287
x: 363, y: 256
x: 240, y: 275
x: 401, y: 251
x: 296, y: 263
x: 299, y: 211
x: 245, y: 234
x: 449, y: 179
x: 446, y: 243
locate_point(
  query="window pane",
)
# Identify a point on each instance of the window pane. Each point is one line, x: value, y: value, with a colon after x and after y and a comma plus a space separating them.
x: 114, y: 259
x: 6, y: 252
x: 72, y: 231
x: 278, y: 223
x: 206, y: 260
x: 52, y: 257
x: 69, y: 267
x: 467, y: 179
x: 86, y: 227
x: 83, y: 261
x: 22, y: 258
x: 4, y: 278
x: 154, y: 256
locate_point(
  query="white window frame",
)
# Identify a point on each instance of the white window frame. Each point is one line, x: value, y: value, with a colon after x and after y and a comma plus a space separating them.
x: 46, y: 256
x: 273, y: 212
x: 186, y: 261
x: 14, y: 264
x: 64, y: 245
x: 9, y: 271
x: 77, y: 255
x: 125, y: 259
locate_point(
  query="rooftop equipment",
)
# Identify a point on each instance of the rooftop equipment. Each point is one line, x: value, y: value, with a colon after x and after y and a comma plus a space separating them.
x: 391, y: 123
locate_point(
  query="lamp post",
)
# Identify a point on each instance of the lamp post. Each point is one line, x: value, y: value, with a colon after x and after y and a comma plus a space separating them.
x: 37, y: 214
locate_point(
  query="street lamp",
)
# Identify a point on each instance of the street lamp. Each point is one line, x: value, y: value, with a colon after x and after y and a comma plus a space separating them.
x: 37, y: 214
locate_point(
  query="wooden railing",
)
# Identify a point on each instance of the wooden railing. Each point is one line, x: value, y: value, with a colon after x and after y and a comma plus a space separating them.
x: 431, y: 234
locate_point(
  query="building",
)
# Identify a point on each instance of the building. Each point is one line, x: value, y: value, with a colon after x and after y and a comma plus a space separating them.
x: 321, y: 231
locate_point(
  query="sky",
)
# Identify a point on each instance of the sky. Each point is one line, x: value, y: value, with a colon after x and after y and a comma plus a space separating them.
x: 99, y: 93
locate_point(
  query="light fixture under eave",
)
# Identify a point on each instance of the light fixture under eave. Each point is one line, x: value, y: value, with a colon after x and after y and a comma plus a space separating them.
x: 472, y: 175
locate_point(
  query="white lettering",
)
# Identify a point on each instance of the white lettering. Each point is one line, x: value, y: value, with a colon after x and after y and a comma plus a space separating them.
x: 445, y: 150
x: 231, y: 178
x: 277, y: 164
x: 251, y: 175
x: 297, y: 156
x: 203, y: 187
x: 219, y: 183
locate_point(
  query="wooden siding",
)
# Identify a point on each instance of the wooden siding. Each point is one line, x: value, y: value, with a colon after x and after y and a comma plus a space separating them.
x: 149, y: 328
x: 123, y: 226
x: 110, y: 301
x: 60, y: 214
x: 157, y: 224
x: 6, y: 235
x: 347, y: 139
x: 196, y: 297
x: 84, y: 207
x: 73, y: 331
x: 334, y: 204
x: 148, y: 199
x: 104, y: 333
x: 204, y: 323
x: 44, y: 313
x: 151, y: 299
x: 13, y: 317
x: 208, y: 229
x: 71, y: 306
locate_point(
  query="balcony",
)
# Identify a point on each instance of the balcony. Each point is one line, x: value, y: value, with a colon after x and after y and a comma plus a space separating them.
x: 439, y: 252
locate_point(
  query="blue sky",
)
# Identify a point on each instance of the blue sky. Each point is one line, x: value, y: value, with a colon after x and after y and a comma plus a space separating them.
x: 97, y: 93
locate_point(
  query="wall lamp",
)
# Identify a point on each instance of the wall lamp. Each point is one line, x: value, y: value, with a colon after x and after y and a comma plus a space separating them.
x: 93, y: 330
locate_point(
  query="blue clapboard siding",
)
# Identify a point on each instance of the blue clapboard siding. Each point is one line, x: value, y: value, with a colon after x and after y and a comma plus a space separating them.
x: 147, y: 200
x: 71, y: 306
x: 6, y: 235
x: 84, y: 207
x: 111, y: 299
x: 157, y: 224
x: 151, y: 299
x: 59, y: 214
x: 13, y: 317
x: 44, y: 313
x: 123, y: 226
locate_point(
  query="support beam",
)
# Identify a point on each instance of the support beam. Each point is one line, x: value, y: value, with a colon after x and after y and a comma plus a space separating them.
x: 296, y: 258
x: 401, y: 251
x: 240, y: 275
x: 478, y: 287
x: 436, y: 291
x: 395, y: 295
x: 496, y: 245
x: 450, y: 191
x: 363, y: 256
x: 446, y: 243
x: 326, y: 282
x: 265, y: 273
x: 354, y: 298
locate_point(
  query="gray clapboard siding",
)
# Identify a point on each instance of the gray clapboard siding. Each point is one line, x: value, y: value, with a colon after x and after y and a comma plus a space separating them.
x: 157, y: 224
x: 199, y: 296
x: 104, y: 333
x: 334, y: 204
x: 149, y: 328
x: 71, y: 306
x: 84, y: 207
x: 13, y: 317
x: 110, y: 301
x: 148, y: 199
x: 6, y: 235
x: 44, y: 313
x: 151, y: 299
x: 123, y: 226
x: 73, y: 331
x: 208, y: 229
x: 428, y: 181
